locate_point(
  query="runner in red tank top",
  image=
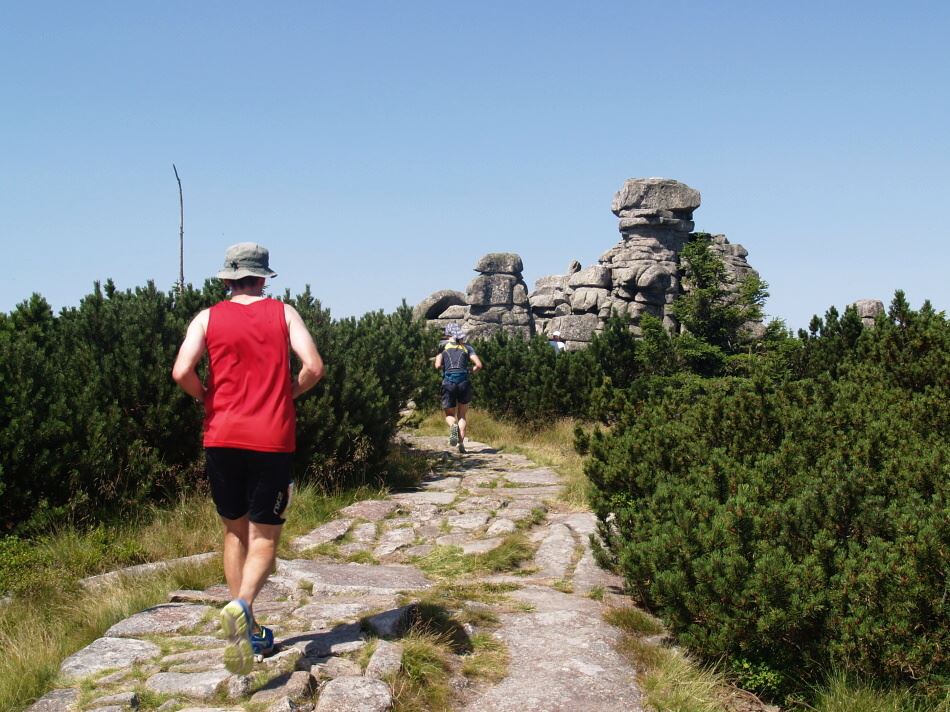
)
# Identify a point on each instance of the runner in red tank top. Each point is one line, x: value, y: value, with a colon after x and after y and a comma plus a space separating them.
x: 249, y: 427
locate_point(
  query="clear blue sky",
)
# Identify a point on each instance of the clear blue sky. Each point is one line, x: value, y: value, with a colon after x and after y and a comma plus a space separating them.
x: 379, y: 148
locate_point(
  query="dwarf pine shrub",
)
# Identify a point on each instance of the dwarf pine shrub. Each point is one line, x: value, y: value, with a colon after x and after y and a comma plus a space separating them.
x: 93, y: 423
x: 799, y: 523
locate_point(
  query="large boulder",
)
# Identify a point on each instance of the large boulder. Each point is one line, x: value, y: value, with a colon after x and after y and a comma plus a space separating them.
x: 588, y: 299
x: 500, y: 263
x: 432, y: 306
x: 593, y: 276
x: 868, y: 309
x: 654, y: 194
x: 492, y: 290
x: 575, y: 327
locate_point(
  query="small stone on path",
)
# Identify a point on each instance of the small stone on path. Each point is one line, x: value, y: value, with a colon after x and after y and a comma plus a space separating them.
x: 199, y: 685
x: 324, y: 534
x: 295, y: 685
x: 386, y: 660
x: 500, y: 526
x: 355, y: 694
x: 370, y: 509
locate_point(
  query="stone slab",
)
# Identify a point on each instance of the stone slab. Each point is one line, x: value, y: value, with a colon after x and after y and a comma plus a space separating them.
x: 413, y: 498
x: 563, y: 659
x: 294, y: 685
x: 370, y: 509
x: 94, y: 583
x: 107, y: 654
x: 353, y: 578
x: 534, y: 477
x: 166, y: 618
x: 66, y: 700
x: 197, y: 686
x: 322, y: 643
x: 355, y: 694
x: 556, y: 552
x: 393, y: 540
x: 324, y: 534
x: 386, y: 660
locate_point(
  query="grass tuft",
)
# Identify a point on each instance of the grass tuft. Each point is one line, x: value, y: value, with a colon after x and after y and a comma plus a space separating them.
x: 489, y: 659
x: 422, y: 684
x: 633, y: 621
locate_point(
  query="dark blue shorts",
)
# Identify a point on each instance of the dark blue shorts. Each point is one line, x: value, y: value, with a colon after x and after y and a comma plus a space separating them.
x: 455, y: 393
x: 258, y: 484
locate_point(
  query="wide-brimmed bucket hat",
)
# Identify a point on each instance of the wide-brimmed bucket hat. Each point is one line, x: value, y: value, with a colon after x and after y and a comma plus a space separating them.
x: 246, y: 259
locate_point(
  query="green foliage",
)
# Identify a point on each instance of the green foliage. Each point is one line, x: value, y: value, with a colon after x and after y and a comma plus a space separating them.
x: 93, y: 424
x: 798, y: 517
x: 714, y: 310
x: 529, y: 380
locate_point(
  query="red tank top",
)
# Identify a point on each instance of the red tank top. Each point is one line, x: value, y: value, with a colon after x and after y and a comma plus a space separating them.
x: 249, y: 404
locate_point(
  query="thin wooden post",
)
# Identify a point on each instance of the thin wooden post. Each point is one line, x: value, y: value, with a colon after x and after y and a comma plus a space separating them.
x: 181, y: 236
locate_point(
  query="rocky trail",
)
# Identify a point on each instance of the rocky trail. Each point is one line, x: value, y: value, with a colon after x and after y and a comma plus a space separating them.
x: 341, y: 626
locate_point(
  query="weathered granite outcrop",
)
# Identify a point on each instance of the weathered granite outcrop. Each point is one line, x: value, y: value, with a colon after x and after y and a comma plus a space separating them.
x: 443, y: 306
x: 642, y: 274
x: 868, y: 309
x: 498, y: 298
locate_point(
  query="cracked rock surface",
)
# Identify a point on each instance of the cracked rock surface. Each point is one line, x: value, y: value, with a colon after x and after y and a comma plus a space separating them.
x: 325, y: 608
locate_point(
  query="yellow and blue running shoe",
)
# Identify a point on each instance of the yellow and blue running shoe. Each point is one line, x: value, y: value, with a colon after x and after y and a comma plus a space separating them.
x: 262, y: 641
x: 236, y: 625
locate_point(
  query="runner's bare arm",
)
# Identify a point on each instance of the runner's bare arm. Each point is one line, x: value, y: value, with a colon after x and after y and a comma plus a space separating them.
x: 438, y: 360
x: 301, y: 342
x: 476, y: 363
x: 189, y: 355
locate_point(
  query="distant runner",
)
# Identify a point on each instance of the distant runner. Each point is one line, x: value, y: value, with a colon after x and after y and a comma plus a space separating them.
x: 557, y: 342
x: 453, y: 358
x: 249, y: 430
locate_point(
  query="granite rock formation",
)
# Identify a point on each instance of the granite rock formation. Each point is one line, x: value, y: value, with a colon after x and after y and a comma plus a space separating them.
x: 498, y: 298
x: 868, y: 309
x: 639, y: 275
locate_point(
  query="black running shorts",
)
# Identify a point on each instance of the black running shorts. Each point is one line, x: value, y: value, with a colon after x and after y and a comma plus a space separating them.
x: 454, y: 393
x: 258, y: 484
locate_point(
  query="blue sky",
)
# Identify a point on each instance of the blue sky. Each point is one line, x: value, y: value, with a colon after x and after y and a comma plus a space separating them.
x: 380, y: 148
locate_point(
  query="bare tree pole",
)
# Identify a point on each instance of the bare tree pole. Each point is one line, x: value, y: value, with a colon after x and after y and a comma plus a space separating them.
x: 181, y: 236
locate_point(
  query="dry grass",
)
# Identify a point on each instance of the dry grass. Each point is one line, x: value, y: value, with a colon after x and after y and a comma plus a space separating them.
x: 552, y: 447
x: 488, y: 660
x: 843, y: 694
x: 422, y: 684
x: 36, y: 634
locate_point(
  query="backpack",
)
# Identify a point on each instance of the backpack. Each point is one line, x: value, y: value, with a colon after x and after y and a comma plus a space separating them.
x: 455, y: 362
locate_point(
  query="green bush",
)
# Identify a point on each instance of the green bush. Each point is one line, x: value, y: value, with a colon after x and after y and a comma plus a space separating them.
x: 796, y: 523
x: 93, y: 424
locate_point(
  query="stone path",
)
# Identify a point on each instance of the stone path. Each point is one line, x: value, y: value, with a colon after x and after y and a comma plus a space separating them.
x: 326, y: 608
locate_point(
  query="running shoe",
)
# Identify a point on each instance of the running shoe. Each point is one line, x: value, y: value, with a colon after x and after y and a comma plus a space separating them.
x: 262, y: 642
x: 461, y: 447
x: 236, y: 625
x: 454, y: 435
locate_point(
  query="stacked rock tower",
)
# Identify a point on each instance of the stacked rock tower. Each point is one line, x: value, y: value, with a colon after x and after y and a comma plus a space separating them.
x: 498, y: 298
x: 639, y: 275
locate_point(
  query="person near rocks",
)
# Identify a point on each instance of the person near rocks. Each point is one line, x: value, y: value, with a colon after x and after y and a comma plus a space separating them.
x: 557, y: 342
x: 453, y: 358
x: 249, y: 430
